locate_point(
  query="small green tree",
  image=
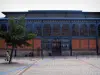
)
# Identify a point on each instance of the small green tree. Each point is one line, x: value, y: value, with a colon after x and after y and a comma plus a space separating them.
x: 16, y: 34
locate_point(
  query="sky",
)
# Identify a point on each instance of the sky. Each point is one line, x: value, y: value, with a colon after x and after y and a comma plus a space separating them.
x: 25, y: 5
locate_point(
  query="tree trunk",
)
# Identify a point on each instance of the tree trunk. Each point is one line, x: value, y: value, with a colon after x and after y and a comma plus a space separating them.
x: 15, y: 53
x: 11, y: 54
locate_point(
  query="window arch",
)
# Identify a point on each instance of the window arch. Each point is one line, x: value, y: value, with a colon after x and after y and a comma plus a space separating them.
x: 75, y: 30
x: 92, y: 30
x: 46, y: 30
x: 84, y: 30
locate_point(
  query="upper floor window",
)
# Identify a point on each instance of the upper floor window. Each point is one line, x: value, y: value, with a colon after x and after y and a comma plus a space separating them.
x: 38, y: 29
x: 66, y: 30
x: 46, y: 30
x: 83, y: 30
x: 56, y: 30
x: 29, y: 28
x: 75, y: 30
x: 92, y: 30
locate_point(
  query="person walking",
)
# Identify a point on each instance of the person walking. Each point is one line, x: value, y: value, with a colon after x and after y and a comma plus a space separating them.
x: 7, y: 56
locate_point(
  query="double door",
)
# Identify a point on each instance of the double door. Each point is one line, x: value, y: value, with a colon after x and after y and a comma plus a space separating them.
x: 56, y: 46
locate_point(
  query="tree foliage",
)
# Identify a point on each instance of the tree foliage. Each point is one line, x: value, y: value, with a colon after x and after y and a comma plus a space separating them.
x: 16, y: 34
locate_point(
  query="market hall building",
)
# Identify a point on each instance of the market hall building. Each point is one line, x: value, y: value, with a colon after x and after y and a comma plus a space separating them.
x: 59, y: 32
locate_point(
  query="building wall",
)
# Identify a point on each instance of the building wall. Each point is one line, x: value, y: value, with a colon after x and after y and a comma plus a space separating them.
x: 37, y: 43
x: 83, y: 44
x: 82, y: 32
x: 25, y: 50
x: 2, y: 43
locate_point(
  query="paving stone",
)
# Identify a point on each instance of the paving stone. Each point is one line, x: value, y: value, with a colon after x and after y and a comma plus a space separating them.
x: 54, y: 66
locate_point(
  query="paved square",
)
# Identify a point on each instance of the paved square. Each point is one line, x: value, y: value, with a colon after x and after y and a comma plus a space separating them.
x: 81, y: 65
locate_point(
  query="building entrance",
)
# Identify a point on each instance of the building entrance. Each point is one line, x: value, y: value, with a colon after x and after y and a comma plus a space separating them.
x: 56, y: 47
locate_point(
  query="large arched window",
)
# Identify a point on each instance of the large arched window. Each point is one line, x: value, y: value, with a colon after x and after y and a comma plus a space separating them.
x: 38, y: 29
x: 56, y: 30
x: 75, y: 30
x: 92, y: 30
x: 46, y: 30
x: 83, y: 30
x: 66, y: 30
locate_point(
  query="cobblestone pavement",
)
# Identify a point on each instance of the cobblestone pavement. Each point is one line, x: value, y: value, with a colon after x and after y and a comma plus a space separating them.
x: 80, y: 65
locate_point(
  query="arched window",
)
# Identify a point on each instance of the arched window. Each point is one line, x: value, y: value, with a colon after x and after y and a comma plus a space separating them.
x: 83, y: 30
x: 66, y: 30
x: 46, y: 30
x: 75, y: 30
x: 56, y: 30
x: 38, y: 29
x: 92, y: 30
